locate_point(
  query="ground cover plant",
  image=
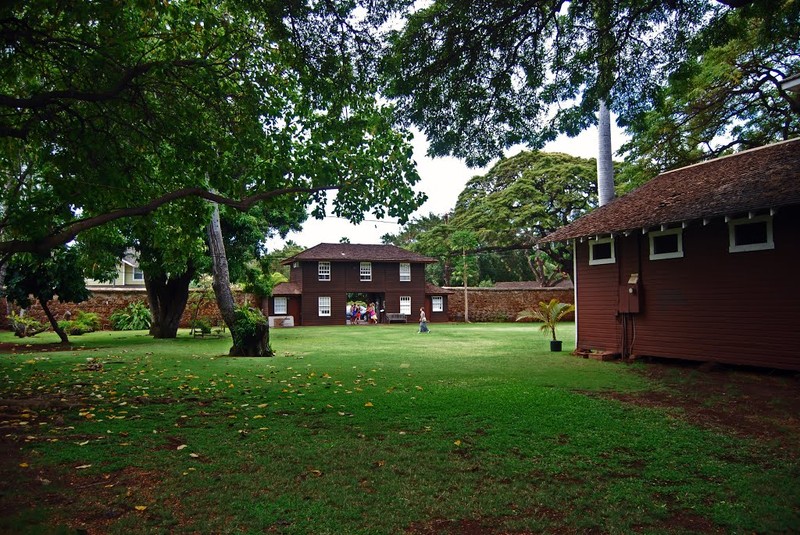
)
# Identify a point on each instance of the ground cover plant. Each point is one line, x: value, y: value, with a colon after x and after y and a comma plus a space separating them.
x: 473, y: 429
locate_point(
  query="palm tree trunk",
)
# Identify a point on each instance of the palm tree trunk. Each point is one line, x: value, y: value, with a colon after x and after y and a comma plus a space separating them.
x: 466, y: 293
x: 605, y: 164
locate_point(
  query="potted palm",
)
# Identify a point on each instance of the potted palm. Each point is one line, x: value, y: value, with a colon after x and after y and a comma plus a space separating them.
x: 549, y: 313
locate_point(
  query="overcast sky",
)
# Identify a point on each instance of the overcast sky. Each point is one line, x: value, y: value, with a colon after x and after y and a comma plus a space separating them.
x: 442, y: 179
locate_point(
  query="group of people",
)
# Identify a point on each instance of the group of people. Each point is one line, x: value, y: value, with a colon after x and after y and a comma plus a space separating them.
x: 360, y: 313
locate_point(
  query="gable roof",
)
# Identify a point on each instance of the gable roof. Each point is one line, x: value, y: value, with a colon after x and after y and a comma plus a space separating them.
x: 748, y: 181
x: 355, y: 252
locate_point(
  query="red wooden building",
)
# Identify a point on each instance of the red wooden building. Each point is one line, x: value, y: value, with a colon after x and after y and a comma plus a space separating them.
x: 326, y: 278
x: 700, y: 263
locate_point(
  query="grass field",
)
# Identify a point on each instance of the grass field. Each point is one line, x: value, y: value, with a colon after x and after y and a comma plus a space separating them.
x: 370, y: 429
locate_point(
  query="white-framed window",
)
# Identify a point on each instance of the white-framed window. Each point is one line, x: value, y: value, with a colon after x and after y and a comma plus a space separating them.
x: 324, y: 306
x: 601, y: 251
x: 666, y: 244
x: 324, y: 271
x: 437, y: 303
x: 405, y: 305
x: 405, y: 272
x: 750, y: 234
x: 365, y: 270
x: 279, y: 306
x: 138, y: 274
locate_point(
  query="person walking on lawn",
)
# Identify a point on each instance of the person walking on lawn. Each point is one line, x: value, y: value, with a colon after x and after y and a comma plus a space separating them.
x: 423, y: 322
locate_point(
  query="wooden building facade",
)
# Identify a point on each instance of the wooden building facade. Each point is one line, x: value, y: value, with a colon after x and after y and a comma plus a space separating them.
x: 700, y: 263
x: 326, y: 278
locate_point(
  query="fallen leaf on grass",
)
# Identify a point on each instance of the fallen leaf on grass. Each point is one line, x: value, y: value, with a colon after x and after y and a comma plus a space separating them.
x: 140, y: 507
x: 457, y: 442
x: 83, y: 467
x: 182, y: 446
x: 368, y: 404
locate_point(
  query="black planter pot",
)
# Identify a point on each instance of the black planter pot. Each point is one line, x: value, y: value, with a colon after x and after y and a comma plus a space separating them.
x: 555, y: 345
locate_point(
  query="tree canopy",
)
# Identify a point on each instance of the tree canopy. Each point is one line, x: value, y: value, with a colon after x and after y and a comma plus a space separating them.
x: 113, y: 110
x: 478, y: 78
x: 506, y: 211
x: 726, y: 95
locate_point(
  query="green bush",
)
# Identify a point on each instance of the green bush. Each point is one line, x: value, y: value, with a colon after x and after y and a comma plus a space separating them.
x: 203, y: 325
x: 135, y: 317
x: 24, y: 326
x: 84, y: 322
x: 248, y: 321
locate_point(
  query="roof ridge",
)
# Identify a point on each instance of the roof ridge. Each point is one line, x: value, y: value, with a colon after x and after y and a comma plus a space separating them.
x: 726, y: 156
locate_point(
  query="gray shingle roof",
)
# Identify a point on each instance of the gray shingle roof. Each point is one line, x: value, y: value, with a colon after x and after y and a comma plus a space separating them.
x: 354, y: 252
x: 752, y: 180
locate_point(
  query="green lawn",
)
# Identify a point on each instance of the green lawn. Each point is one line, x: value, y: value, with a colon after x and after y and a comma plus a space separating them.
x: 370, y: 429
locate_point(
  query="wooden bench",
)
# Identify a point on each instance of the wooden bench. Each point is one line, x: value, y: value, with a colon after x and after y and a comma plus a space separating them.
x: 394, y: 316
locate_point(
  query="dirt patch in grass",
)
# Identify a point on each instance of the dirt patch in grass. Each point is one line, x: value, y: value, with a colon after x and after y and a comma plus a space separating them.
x: 748, y: 402
x: 14, y: 348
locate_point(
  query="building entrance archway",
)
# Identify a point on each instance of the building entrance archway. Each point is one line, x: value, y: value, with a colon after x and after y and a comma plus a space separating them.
x: 364, y: 299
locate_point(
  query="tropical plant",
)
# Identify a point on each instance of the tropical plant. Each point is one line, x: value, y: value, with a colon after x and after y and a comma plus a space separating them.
x: 549, y: 313
x: 135, y: 317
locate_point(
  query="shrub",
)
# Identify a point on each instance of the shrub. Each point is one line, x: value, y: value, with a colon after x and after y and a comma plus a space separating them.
x: 203, y: 325
x: 24, y: 326
x: 248, y: 322
x: 84, y: 322
x: 135, y: 317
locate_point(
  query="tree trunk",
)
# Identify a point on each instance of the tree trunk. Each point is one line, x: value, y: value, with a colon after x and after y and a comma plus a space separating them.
x: 250, y: 332
x: 605, y: 163
x: 53, y: 323
x: 466, y: 293
x: 168, y: 297
x: 7, y: 310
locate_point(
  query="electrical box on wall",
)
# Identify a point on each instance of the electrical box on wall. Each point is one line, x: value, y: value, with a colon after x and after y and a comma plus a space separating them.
x: 630, y: 295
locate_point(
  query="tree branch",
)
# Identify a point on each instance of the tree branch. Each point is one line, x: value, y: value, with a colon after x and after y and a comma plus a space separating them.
x: 69, y: 233
x: 49, y: 98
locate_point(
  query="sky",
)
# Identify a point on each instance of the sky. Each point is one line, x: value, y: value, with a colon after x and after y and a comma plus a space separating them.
x: 442, y: 179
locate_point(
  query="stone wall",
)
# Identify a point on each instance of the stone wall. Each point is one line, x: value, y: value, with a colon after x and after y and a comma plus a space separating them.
x: 109, y: 300
x: 485, y: 304
x: 500, y: 304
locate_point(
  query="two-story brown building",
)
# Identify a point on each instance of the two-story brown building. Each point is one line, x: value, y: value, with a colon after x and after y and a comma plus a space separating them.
x: 326, y: 278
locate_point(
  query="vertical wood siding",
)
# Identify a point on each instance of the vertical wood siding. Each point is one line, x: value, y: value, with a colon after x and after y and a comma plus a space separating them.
x: 596, y: 295
x: 711, y: 305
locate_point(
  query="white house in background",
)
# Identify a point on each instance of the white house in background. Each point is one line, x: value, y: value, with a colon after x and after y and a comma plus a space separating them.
x: 128, y: 275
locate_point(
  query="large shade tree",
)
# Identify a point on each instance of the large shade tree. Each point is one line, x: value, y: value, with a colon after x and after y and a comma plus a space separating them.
x: 113, y: 110
x: 478, y: 78
x: 727, y: 94
x: 507, y: 210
